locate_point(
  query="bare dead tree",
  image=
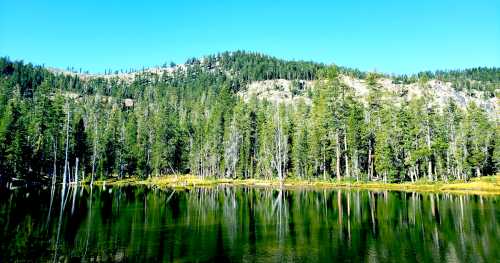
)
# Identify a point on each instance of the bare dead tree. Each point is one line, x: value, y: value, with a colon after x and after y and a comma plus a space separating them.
x: 231, y: 149
x: 66, y: 165
x: 280, y: 151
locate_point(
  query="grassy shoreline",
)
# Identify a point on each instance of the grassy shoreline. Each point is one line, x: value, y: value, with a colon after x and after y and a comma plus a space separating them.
x: 488, y: 185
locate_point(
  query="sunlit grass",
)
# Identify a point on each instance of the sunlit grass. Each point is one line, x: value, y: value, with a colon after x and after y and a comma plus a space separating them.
x: 483, y: 185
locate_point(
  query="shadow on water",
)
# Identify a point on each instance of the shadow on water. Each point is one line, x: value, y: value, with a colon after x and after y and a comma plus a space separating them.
x: 245, y: 224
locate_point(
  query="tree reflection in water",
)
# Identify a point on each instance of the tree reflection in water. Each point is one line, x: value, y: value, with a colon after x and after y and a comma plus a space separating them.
x: 247, y: 224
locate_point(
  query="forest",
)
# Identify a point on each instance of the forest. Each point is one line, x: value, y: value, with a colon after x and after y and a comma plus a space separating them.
x: 61, y: 127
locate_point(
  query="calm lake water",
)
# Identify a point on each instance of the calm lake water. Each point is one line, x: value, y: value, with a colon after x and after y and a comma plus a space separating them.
x: 246, y: 225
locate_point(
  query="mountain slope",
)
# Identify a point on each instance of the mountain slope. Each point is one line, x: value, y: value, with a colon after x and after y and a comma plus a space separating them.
x: 286, y: 81
x: 218, y: 116
x: 289, y: 91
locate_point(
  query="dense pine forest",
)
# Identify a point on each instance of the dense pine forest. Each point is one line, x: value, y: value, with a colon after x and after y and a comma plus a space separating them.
x: 63, y: 126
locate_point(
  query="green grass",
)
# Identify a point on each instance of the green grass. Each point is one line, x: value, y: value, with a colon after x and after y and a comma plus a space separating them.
x: 484, y: 185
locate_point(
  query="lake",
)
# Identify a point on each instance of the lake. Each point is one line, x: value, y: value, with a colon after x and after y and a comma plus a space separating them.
x: 246, y: 224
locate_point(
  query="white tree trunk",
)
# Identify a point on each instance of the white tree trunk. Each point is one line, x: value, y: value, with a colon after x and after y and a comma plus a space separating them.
x: 280, y: 156
x: 429, y: 161
x: 66, y: 165
x: 346, y: 156
x: 94, y: 155
x: 231, y: 150
x: 76, y: 170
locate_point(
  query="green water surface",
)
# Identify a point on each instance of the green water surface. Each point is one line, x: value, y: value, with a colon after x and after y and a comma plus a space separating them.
x: 240, y: 224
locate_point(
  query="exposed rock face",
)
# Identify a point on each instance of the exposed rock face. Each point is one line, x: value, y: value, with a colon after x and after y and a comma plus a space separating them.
x: 126, y: 77
x: 293, y: 91
x: 279, y: 90
x: 287, y: 91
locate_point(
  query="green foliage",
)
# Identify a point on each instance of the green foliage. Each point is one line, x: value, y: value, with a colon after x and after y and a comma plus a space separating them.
x: 480, y: 79
x: 192, y: 121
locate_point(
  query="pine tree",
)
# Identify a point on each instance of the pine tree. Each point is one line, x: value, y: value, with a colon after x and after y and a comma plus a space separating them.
x: 479, y: 134
x: 300, y: 155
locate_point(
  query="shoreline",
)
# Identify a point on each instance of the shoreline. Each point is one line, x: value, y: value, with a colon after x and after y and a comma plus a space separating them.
x: 487, y: 185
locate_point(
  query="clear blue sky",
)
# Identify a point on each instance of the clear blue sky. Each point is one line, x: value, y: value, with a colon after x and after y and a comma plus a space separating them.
x: 388, y: 36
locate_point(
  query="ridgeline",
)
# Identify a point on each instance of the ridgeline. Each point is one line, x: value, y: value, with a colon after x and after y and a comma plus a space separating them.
x: 240, y: 115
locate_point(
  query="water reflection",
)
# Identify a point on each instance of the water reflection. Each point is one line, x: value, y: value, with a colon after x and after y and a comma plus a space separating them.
x: 246, y: 224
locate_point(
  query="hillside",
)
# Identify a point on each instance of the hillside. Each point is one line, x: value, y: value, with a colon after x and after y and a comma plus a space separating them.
x: 288, y: 91
x: 258, y: 78
x: 221, y: 116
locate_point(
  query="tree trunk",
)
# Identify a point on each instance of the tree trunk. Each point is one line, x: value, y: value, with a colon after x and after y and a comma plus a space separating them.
x: 54, y: 175
x: 448, y: 172
x: 370, y: 172
x: 346, y: 156
x: 355, y: 164
x: 429, y: 161
x: 66, y: 165
x: 323, y: 165
x: 94, y: 156
x: 337, y: 149
x: 76, y: 171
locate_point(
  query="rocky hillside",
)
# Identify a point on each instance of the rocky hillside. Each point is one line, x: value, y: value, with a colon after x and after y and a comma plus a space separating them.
x: 288, y: 91
x: 281, y: 81
x: 193, y: 119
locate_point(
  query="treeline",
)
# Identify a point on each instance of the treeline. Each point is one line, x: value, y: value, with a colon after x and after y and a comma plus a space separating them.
x: 252, y: 66
x: 55, y: 126
x: 481, y: 78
